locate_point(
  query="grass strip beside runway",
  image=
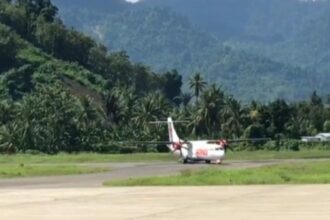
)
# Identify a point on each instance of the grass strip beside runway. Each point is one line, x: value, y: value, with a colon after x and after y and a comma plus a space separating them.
x: 301, y: 173
x: 10, y: 171
x: 266, y: 154
x: 64, y: 158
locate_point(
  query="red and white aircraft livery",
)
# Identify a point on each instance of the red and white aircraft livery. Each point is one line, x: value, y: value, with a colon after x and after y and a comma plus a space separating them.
x: 191, y: 151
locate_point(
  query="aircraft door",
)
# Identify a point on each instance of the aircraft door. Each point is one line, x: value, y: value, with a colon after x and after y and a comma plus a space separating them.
x: 190, y: 150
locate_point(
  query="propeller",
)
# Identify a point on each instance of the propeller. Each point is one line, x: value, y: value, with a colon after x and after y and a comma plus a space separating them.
x: 178, y: 146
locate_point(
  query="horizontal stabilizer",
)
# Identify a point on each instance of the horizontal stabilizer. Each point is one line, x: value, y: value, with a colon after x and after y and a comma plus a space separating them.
x: 165, y: 122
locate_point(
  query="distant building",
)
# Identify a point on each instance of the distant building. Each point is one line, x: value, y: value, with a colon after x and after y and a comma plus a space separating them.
x: 310, y: 139
x: 323, y: 136
x: 317, y: 138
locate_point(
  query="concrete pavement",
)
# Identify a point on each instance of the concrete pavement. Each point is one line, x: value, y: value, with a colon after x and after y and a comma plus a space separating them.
x: 160, y: 203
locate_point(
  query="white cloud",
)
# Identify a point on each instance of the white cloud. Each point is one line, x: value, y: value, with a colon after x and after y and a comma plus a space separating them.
x: 132, y: 1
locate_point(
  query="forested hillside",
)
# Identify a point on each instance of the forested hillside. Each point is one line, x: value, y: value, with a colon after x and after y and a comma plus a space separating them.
x: 63, y: 91
x: 289, y: 31
x: 256, y: 49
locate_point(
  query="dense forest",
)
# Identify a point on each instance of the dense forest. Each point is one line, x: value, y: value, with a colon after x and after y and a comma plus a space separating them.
x: 257, y: 50
x: 60, y: 90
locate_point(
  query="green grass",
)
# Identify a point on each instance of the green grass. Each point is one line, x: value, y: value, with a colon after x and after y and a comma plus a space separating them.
x: 64, y: 164
x: 303, y: 173
x: 265, y: 155
x: 21, y: 170
x: 64, y: 158
x: 33, y: 55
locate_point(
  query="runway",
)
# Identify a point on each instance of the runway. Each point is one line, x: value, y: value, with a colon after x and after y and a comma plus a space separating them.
x: 163, y: 203
x: 124, y: 171
x: 83, y: 197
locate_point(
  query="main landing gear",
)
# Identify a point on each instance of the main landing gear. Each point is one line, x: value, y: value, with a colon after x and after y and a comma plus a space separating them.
x: 215, y: 162
x: 184, y: 161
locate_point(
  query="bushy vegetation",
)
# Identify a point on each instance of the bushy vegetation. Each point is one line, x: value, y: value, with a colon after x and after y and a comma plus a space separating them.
x: 63, y: 91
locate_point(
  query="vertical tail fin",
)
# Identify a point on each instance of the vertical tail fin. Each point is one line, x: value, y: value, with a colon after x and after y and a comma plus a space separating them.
x: 173, y: 136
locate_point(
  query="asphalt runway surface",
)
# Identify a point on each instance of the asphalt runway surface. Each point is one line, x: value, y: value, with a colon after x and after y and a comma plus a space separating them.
x: 83, y: 197
x: 124, y: 171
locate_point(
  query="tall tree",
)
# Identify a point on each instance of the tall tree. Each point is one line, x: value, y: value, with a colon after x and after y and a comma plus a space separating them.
x: 8, y: 48
x: 36, y: 8
x: 208, y: 116
x: 198, y: 84
x: 150, y: 108
x: 232, y: 115
x: 19, y: 81
x: 172, y: 86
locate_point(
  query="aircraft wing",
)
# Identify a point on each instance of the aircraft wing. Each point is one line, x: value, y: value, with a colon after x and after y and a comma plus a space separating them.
x: 240, y: 140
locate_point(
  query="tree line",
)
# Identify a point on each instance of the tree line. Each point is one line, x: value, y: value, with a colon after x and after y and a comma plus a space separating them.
x: 62, y: 91
x: 51, y: 120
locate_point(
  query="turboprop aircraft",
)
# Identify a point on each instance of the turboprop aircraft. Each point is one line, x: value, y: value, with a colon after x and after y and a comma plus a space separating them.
x: 210, y: 151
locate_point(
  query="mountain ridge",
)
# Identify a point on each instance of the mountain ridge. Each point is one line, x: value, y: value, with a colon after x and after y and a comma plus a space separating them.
x: 164, y: 40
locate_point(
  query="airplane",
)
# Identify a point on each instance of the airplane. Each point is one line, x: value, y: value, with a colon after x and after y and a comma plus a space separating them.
x: 209, y: 151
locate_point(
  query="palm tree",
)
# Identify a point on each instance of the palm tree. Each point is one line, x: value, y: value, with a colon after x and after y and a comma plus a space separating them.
x: 6, y: 111
x: 152, y: 107
x: 116, y: 108
x: 25, y: 124
x: 7, y: 140
x: 119, y: 103
x: 232, y: 115
x: 184, y: 98
x: 91, y: 111
x: 207, y: 118
x: 91, y: 124
x: 198, y: 84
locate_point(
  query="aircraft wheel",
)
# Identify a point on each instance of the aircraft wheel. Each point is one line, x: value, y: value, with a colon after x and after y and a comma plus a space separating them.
x: 208, y: 161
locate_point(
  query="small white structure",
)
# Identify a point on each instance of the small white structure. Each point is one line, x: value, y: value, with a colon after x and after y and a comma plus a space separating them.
x: 317, y: 138
x: 323, y: 136
x: 310, y: 139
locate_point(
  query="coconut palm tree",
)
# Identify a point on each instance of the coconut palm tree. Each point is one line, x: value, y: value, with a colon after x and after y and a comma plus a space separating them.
x: 6, y: 111
x: 207, y: 118
x: 115, y: 107
x: 152, y: 107
x: 232, y: 115
x: 198, y: 84
x: 119, y: 103
x: 184, y: 99
x: 7, y: 140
